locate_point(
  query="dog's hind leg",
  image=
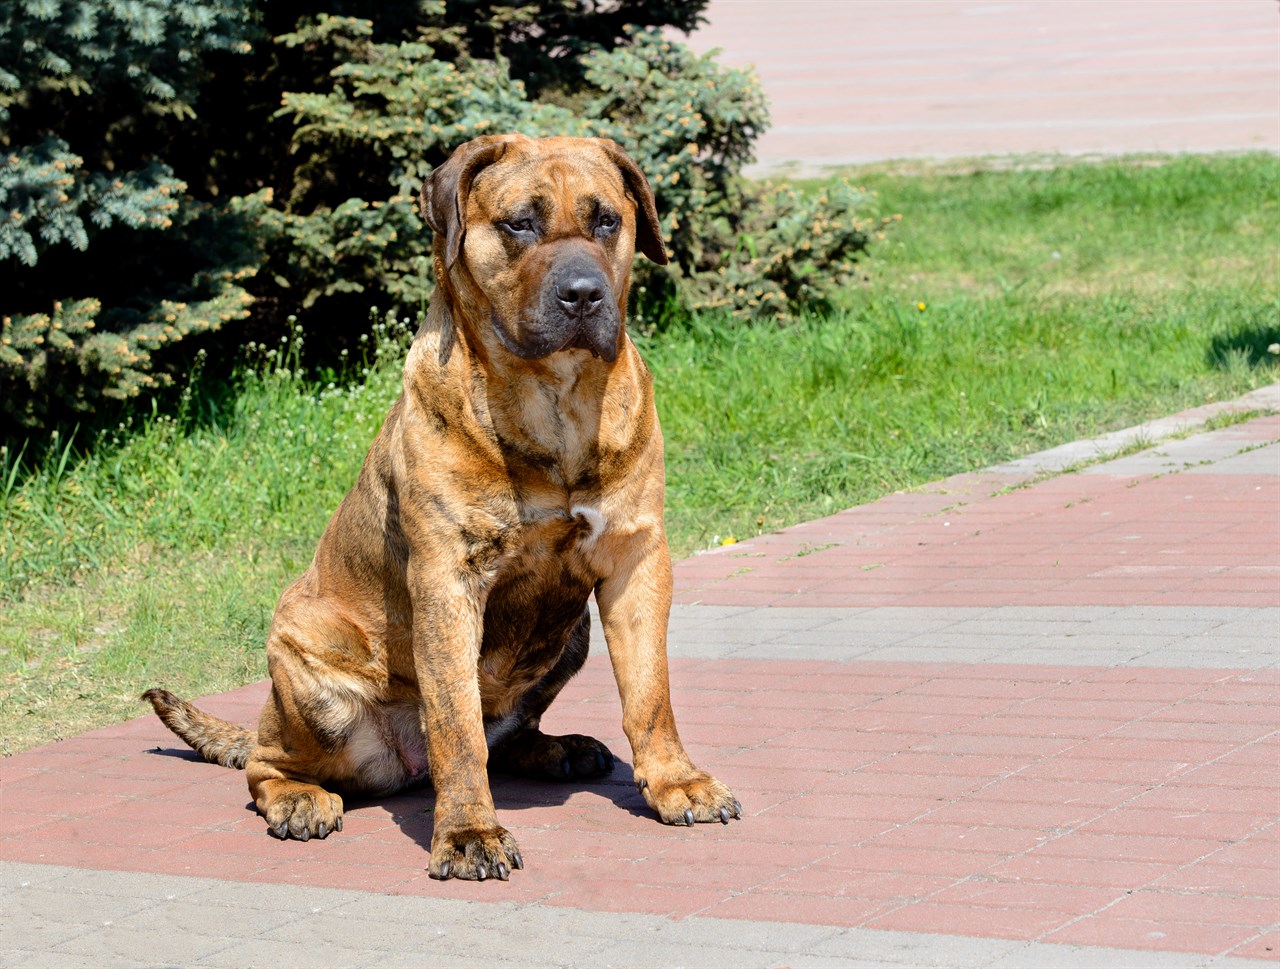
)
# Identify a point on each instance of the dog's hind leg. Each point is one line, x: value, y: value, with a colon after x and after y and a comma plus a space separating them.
x: 319, y: 727
x: 283, y: 780
x: 528, y: 752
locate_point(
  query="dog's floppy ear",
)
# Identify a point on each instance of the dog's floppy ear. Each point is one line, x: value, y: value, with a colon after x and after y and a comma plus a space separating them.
x: 443, y: 201
x: 648, y: 228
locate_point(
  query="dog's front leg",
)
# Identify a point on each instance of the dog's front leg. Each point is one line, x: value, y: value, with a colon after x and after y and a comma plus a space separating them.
x: 467, y: 841
x: 634, y: 608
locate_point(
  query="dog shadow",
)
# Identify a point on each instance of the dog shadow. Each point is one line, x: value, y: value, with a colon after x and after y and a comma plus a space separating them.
x: 177, y: 753
x: 413, y: 808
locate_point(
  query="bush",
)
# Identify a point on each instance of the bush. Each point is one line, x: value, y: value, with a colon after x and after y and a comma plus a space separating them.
x: 176, y: 166
x: 690, y: 123
x: 89, y: 94
x: 755, y: 251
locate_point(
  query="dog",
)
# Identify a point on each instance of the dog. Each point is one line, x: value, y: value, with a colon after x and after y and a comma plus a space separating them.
x: 520, y: 472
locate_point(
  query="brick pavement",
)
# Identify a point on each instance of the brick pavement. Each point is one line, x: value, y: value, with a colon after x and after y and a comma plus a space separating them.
x: 878, y: 79
x: 936, y: 766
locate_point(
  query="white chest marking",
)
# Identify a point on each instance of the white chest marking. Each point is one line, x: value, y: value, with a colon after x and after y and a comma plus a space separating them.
x: 593, y: 518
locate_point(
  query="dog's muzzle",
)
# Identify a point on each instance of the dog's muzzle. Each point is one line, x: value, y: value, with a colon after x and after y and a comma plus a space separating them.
x: 584, y: 300
x: 576, y: 309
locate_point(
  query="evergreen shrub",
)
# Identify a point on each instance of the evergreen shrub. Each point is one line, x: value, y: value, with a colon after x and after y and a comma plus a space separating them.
x: 169, y: 166
x: 105, y: 253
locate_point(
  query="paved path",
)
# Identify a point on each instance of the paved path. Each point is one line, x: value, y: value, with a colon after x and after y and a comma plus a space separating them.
x: 1015, y: 718
x: 876, y: 79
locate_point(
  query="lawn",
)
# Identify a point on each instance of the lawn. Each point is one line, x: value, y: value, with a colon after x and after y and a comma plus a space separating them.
x: 1009, y: 311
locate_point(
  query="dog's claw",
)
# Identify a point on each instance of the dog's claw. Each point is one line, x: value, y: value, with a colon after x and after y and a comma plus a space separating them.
x: 322, y: 831
x: 688, y: 818
x: 281, y: 831
x: 502, y: 871
x: 445, y: 868
x: 337, y: 823
x: 481, y: 873
x: 517, y: 861
x: 737, y: 809
x: 724, y: 815
x: 305, y: 835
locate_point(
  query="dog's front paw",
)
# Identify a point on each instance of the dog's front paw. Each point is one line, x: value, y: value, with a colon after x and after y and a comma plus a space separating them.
x: 474, y: 854
x: 695, y: 796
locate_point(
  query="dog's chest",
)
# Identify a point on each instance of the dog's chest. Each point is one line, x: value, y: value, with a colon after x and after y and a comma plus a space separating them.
x: 538, y: 598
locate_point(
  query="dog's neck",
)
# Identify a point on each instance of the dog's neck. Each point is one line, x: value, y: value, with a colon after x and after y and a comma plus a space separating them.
x: 544, y: 414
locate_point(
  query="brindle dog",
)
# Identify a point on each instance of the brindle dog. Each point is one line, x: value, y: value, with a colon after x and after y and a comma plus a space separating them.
x: 520, y: 471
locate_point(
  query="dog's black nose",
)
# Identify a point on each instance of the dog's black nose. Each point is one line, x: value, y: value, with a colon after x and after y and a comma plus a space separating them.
x: 581, y: 293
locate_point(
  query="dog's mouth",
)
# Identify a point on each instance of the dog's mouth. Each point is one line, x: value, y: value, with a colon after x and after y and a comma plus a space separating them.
x: 597, y: 334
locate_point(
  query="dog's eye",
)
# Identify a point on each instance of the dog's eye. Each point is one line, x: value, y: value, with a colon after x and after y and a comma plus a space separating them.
x: 606, y: 222
x: 517, y: 227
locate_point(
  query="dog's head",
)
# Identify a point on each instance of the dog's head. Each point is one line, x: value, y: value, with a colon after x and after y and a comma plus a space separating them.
x: 539, y: 233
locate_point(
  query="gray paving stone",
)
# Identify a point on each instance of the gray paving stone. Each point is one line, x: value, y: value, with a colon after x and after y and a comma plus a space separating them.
x: 1263, y: 460
x: 1045, y: 956
x: 1056, y: 656
x: 1215, y: 614
x: 925, y: 617
x: 839, y: 653
x: 711, y: 638
x: 158, y: 888
x: 121, y: 945
x: 776, y: 618
x: 433, y: 956
x: 1099, y: 636
x: 42, y: 959
x: 903, y: 653
x: 257, y: 895
x: 849, y: 636
x: 913, y: 949
x: 1030, y: 628
x: 1263, y: 624
x: 627, y: 953
x: 1073, y: 613
x: 702, y: 615
x: 414, y: 909
x: 199, y: 919
x: 1172, y: 627
x: 90, y: 908
x: 950, y: 639
x: 1204, y: 659
x: 1211, y: 636
x: 1201, y: 452
x: 276, y: 955
x: 16, y: 875
x: 742, y: 934
x: 1155, y: 434
x: 41, y: 935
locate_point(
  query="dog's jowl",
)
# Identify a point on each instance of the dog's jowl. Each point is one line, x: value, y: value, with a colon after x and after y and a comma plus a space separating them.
x: 519, y: 472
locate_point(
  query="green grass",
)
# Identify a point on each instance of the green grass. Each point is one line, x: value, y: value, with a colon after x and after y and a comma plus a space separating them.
x: 1057, y: 303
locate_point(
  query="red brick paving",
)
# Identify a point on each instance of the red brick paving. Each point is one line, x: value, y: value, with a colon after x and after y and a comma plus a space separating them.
x: 1012, y: 831
x: 1075, y: 540
x: 875, y: 79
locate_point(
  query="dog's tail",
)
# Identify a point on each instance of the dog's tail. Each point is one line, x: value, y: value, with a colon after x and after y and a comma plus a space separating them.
x: 217, y: 741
